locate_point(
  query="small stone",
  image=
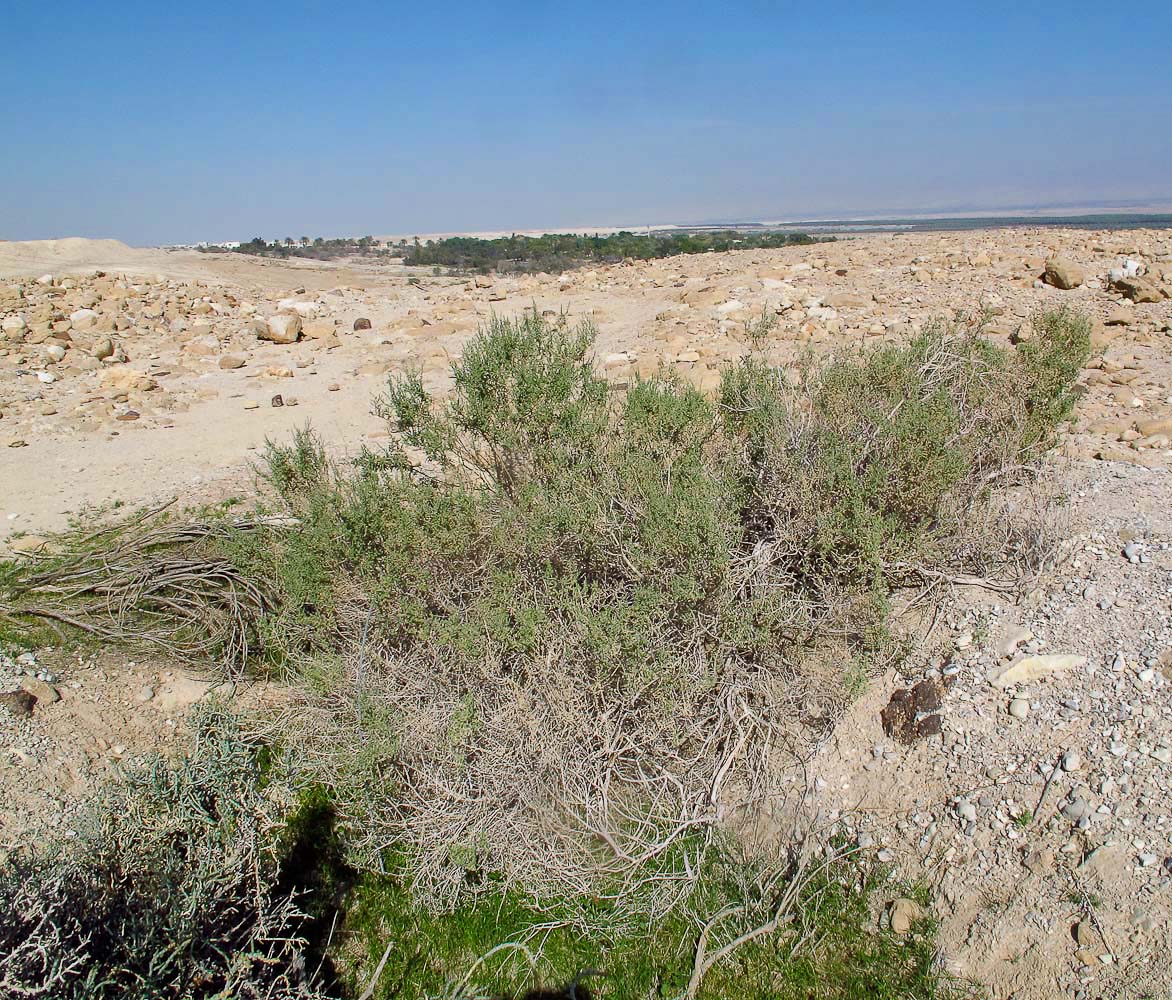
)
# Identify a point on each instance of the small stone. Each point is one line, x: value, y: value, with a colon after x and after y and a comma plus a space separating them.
x: 231, y: 361
x: 277, y: 400
x: 362, y: 323
x: 1032, y: 668
x: 1120, y: 316
x: 1019, y: 708
x: 1137, y: 289
x: 1011, y: 640
x: 333, y: 387
x: 1071, y: 760
x: 127, y: 415
x: 966, y: 810
x: 1163, y: 754
x: 251, y: 404
x: 904, y: 914
x: 40, y: 690
x: 1040, y: 862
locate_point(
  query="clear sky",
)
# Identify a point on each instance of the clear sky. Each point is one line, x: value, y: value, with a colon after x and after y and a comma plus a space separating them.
x: 174, y: 122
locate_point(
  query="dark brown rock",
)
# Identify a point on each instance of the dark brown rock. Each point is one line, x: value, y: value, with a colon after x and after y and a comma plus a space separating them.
x: 19, y: 703
x: 910, y: 714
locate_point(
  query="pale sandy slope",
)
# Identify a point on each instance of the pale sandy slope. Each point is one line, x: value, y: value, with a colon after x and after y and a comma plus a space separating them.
x: 70, y: 254
x: 76, y: 255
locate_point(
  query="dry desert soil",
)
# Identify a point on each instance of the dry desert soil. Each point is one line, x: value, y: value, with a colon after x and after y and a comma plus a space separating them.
x: 1040, y: 816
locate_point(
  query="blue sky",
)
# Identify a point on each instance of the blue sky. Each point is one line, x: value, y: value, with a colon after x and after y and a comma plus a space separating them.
x: 178, y: 122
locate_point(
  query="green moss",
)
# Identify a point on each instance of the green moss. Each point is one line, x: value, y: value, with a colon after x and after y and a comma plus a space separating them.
x: 850, y: 956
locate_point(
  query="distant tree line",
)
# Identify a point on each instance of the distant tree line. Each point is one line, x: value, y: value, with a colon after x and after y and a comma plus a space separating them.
x: 551, y: 252
x: 556, y: 252
x: 316, y: 249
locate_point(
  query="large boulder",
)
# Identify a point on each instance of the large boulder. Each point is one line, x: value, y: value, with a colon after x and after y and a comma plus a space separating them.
x: 1062, y: 273
x: 1138, y: 289
x: 284, y: 328
x: 83, y: 319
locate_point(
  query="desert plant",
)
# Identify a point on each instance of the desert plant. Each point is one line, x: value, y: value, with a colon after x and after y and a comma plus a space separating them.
x: 861, y: 467
x: 171, y: 888
x: 585, y: 630
x: 146, y: 580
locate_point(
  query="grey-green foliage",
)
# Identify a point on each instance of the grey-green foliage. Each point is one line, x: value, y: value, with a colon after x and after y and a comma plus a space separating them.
x: 862, y: 463
x: 170, y: 889
x: 572, y: 570
x: 526, y: 401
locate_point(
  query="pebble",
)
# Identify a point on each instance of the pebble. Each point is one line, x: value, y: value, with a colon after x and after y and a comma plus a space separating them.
x: 1019, y: 708
x: 1071, y: 760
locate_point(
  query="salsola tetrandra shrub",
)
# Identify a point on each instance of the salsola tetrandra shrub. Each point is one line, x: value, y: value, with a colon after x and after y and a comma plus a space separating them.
x: 857, y: 469
x: 579, y: 630
x: 170, y: 888
x: 585, y: 626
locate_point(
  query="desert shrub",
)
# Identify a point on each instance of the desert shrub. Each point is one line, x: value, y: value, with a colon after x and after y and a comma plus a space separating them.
x: 526, y: 402
x: 585, y: 629
x: 1050, y: 362
x: 170, y: 889
x: 581, y: 627
x: 862, y: 466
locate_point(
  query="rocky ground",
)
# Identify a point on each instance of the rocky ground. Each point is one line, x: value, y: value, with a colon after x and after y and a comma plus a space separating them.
x: 1040, y: 814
